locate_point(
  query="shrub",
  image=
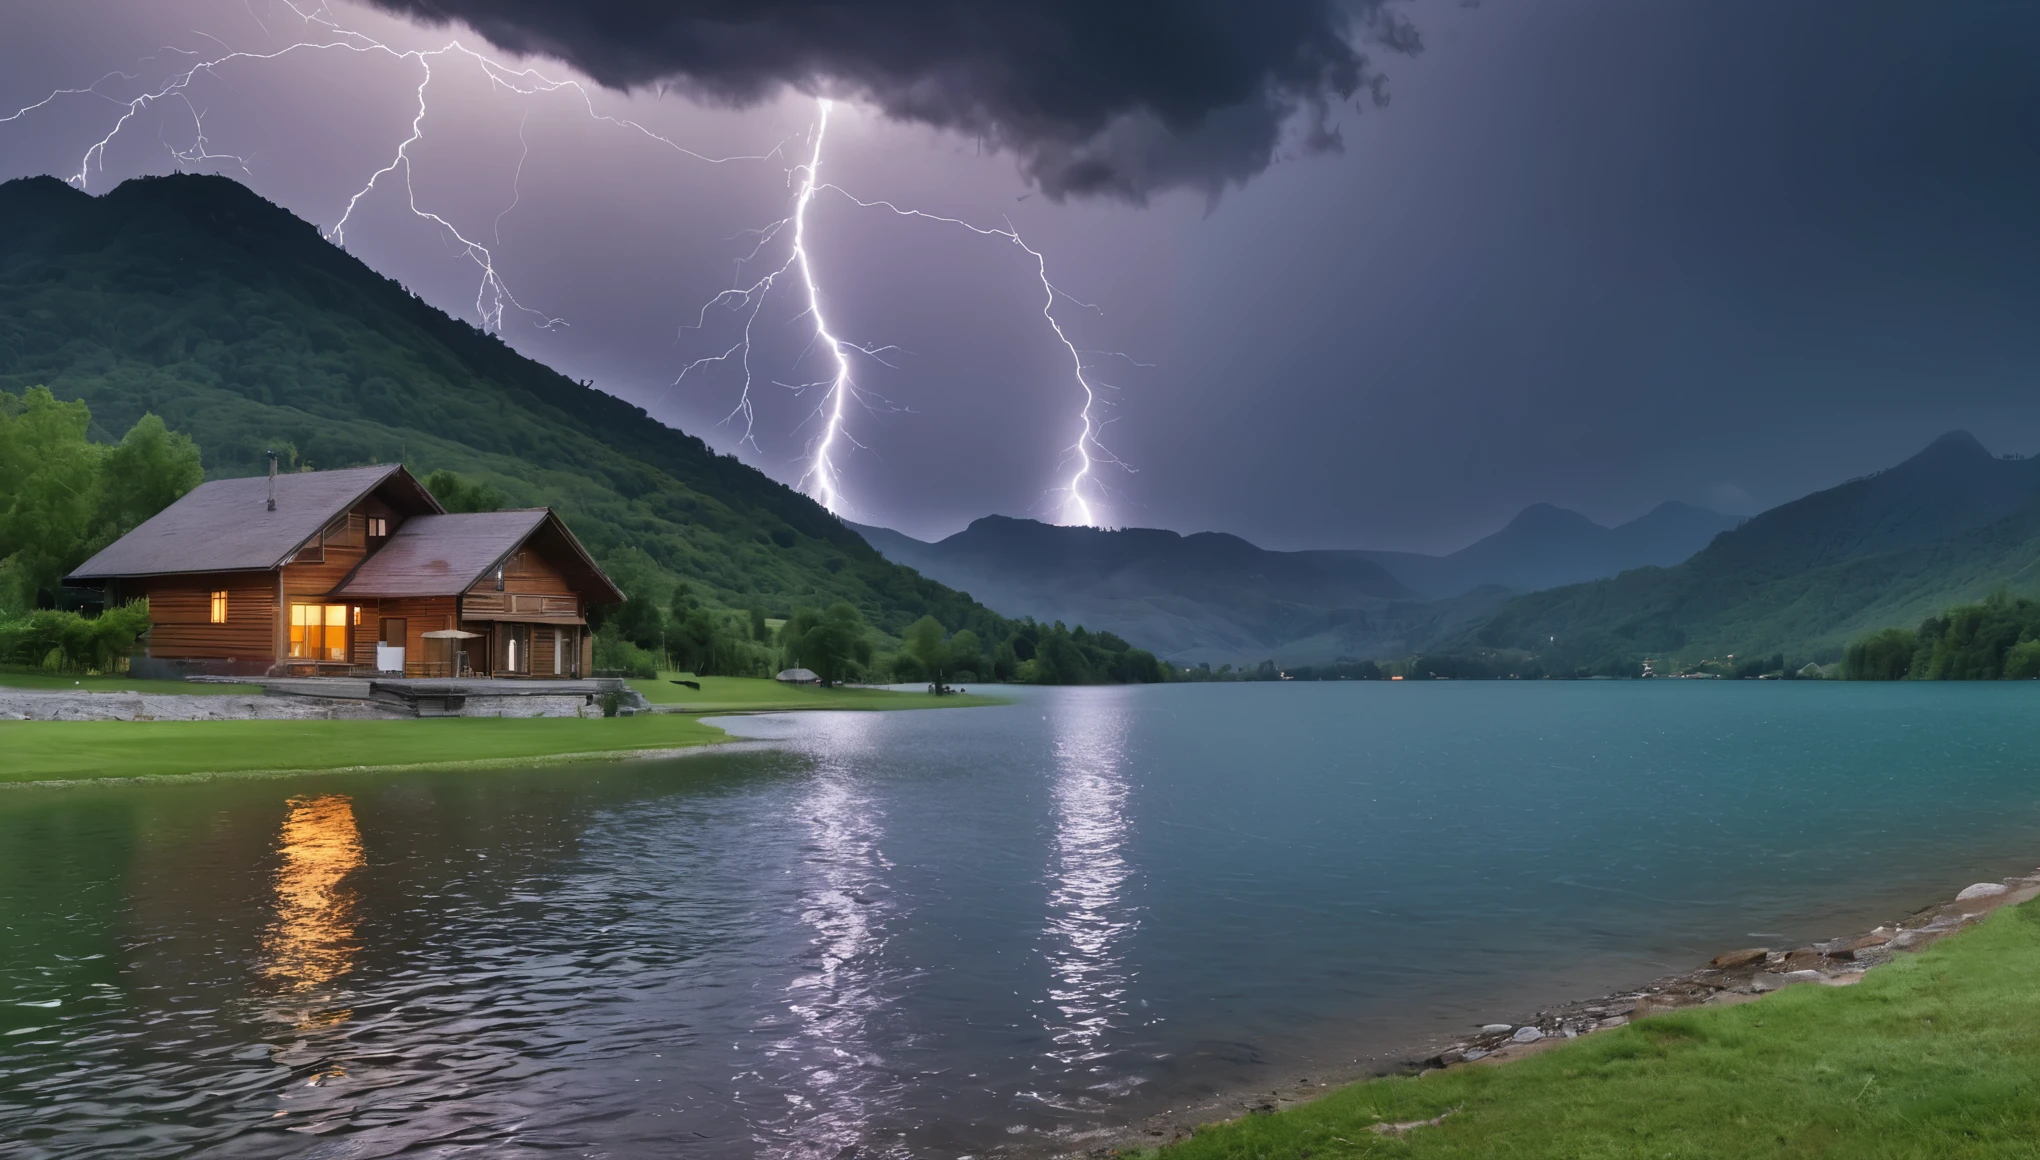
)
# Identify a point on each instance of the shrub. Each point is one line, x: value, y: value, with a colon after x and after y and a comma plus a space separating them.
x: 71, y: 642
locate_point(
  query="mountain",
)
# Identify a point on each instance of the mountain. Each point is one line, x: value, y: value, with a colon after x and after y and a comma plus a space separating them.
x: 1546, y: 546
x: 1204, y: 597
x: 1949, y: 525
x: 236, y: 322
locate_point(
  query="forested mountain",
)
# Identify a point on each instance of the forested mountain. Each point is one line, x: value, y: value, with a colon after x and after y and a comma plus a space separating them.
x: 1950, y: 525
x: 1546, y: 546
x: 193, y: 298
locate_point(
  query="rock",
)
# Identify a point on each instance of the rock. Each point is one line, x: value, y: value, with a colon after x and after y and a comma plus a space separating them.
x: 1803, y: 959
x: 1730, y: 960
x: 1982, y: 890
x: 1496, y: 1028
x: 1476, y: 1053
x: 1850, y: 949
x: 1526, y: 1035
x: 1802, y: 977
x: 1614, y: 1021
x: 1448, y: 1058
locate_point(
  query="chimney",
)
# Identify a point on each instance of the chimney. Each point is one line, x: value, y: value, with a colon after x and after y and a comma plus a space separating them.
x: 272, y: 480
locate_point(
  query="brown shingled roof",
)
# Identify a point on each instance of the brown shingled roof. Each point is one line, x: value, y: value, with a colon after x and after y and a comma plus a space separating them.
x: 445, y: 555
x: 226, y: 525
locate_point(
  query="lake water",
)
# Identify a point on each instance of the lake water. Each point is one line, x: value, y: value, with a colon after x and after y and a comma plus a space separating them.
x: 945, y: 933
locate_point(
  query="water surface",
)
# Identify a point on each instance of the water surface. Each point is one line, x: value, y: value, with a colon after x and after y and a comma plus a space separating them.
x: 946, y: 933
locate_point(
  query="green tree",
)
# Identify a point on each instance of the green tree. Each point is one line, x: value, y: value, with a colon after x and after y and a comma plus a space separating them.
x: 150, y: 469
x: 923, y: 641
x: 833, y: 643
x: 63, y: 497
x: 966, y: 653
x: 460, y: 495
x: 1882, y: 656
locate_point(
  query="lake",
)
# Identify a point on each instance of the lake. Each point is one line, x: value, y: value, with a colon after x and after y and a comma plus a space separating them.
x: 947, y: 933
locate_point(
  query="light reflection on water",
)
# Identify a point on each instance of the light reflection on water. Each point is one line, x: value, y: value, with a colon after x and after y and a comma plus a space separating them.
x: 1088, y: 919
x: 833, y: 1075
x: 970, y: 932
x: 312, y: 940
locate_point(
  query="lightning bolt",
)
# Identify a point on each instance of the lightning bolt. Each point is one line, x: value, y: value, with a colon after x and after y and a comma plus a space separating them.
x: 492, y: 296
x: 1082, y: 493
x: 1087, y: 453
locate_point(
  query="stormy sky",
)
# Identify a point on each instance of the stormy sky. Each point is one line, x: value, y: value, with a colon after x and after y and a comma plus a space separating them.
x: 1376, y: 275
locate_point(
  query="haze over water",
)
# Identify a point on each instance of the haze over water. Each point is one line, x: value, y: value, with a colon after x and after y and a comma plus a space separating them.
x: 948, y: 932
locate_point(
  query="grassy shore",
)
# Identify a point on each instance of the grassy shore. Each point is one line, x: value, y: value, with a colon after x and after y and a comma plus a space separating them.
x: 1934, y: 1054
x: 42, y: 682
x: 756, y: 695
x: 71, y: 750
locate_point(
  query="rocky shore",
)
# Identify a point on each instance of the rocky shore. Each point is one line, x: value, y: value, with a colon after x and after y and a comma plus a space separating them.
x: 1741, y: 975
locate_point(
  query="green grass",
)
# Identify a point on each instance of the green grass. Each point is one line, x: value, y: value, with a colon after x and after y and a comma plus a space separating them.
x: 757, y: 694
x: 67, y: 750
x: 1933, y: 1055
x: 42, y: 681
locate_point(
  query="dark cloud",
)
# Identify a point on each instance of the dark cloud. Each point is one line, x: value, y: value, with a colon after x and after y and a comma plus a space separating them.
x: 1115, y: 97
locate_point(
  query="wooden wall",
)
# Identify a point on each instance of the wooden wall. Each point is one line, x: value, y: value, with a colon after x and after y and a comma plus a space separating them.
x: 180, y: 615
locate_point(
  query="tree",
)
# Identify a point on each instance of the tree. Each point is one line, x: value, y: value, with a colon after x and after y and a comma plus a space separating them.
x: 923, y: 641
x: 150, y: 469
x: 459, y: 495
x: 63, y: 497
x: 832, y: 643
x: 759, y: 629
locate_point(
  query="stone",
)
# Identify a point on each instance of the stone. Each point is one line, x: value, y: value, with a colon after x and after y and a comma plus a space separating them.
x: 1613, y: 1021
x: 1982, y: 890
x: 1875, y: 938
x: 1526, y: 1035
x: 1496, y: 1028
x: 1448, y: 1058
x: 1803, y: 959
x: 1767, y: 981
x: 1730, y: 960
x: 1477, y: 1053
x: 1791, y: 977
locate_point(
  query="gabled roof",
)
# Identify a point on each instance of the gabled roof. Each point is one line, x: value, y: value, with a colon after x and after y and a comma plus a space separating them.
x: 445, y: 555
x: 226, y: 525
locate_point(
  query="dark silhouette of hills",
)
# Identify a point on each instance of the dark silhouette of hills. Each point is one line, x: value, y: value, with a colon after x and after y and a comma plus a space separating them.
x: 1949, y: 525
x: 1546, y: 546
x: 1212, y: 596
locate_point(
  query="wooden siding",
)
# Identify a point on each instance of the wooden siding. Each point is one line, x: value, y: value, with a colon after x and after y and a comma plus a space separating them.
x: 421, y: 614
x: 180, y: 615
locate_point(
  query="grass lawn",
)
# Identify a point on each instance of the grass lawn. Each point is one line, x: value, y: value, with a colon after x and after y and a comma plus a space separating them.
x: 35, y: 679
x: 757, y: 694
x: 55, y: 750
x: 1933, y: 1055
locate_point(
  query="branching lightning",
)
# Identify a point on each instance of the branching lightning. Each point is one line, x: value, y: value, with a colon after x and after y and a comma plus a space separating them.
x: 1080, y: 494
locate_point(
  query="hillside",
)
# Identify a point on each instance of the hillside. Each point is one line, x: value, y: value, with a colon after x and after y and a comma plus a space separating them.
x: 236, y: 322
x: 1947, y: 526
x: 1546, y: 546
x: 1204, y: 597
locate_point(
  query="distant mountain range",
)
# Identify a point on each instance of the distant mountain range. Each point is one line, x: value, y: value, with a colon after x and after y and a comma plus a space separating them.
x: 1546, y: 546
x: 1949, y: 525
x: 1217, y: 598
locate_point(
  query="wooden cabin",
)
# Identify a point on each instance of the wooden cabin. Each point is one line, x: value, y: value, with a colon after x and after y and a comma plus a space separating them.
x: 353, y: 572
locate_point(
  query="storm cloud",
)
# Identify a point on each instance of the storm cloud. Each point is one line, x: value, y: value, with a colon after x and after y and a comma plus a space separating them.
x: 1122, y: 99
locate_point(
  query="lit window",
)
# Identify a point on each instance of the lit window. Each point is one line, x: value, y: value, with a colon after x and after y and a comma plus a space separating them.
x: 357, y: 616
x: 318, y: 632
x: 219, y: 607
x: 378, y: 527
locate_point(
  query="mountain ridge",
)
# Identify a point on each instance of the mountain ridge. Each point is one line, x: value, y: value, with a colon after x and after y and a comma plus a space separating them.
x: 192, y: 297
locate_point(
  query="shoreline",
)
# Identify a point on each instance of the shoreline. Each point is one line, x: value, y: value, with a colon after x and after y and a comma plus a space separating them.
x: 1732, y: 978
x: 719, y: 745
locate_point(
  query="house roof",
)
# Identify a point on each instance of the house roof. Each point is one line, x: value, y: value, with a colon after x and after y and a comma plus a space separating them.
x: 445, y: 555
x: 226, y: 526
